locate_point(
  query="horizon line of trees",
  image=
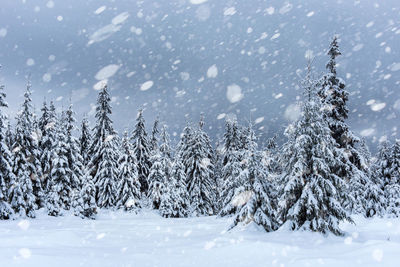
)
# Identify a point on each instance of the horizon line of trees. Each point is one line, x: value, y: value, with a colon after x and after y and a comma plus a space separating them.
x: 322, y: 175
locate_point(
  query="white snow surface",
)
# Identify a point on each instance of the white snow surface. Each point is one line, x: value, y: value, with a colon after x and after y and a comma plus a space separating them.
x: 147, y: 239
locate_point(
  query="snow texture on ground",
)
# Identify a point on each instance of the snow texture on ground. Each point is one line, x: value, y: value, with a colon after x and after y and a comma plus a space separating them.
x: 146, y: 239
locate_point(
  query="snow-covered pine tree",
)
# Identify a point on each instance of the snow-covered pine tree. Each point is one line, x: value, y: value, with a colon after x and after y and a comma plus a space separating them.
x: 166, y: 151
x: 198, y: 159
x: 9, y: 135
x: 47, y: 125
x: 107, y: 173
x: 383, y: 165
x: 310, y: 196
x: 85, y: 141
x: 157, y: 177
x: 29, y: 143
x: 252, y: 201
x: 85, y: 201
x: 141, y: 150
x: 175, y: 200
x: 21, y: 196
x: 53, y: 199
x: 392, y: 179
x: 154, y: 136
x: 395, y: 163
x: 373, y: 199
x: 334, y: 96
x: 101, y: 131
x: 231, y: 177
x: 6, y: 174
x: 75, y: 160
x: 60, y: 176
x: 128, y: 181
x: 103, y: 152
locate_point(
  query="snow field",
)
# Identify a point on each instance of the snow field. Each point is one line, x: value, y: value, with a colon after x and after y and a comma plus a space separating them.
x: 146, y: 239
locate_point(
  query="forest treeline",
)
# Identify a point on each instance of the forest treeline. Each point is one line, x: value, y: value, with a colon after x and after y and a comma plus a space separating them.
x: 323, y: 174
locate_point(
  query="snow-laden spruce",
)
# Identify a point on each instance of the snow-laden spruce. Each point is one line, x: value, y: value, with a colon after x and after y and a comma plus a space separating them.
x: 85, y: 139
x: 141, y: 150
x: 47, y: 126
x: 75, y: 160
x: 26, y: 190
x: 310, y: 195
x: 128, y: 186
x: 334, y: 97
x: 85, y: 200
x: 6, y: 174
x: 252, y: 197
x: 174, y: 200
x: 198, y: 160
x: 60, y: 182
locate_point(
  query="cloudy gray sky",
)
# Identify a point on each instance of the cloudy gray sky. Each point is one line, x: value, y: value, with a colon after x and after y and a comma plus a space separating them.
x: 178, y: 58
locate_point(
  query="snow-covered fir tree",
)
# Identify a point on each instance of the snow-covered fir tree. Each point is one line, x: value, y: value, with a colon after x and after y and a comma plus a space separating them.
x: 334, y: 96
x: 231, y: 178
x: 47, y: 125
x: 391, y: 178
x: 107, y: 174
x: 6, y: 174
x: 198, y: 159
x: 9, y: 135
x: 102, y: 130
x: 28, y: 140
x: 128, y: 181
x: 21, y: 196
x: 85, y: 201
x: 60, y: 177
x: 141, y: 150
x: 383, y: 165
x: 85, y: 141
x: 154, y: 135
x: 175, y: 201
x: 310, y: 196
x: 75, y: 160
x: 157, y: 177
x: 251, y: 199
x: 103, y: 152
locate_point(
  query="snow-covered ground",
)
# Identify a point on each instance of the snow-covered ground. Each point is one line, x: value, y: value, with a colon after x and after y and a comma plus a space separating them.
x: 146, y: 239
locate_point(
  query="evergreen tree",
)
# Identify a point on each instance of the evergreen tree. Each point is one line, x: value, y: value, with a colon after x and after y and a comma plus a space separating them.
x: 251, y: 199
x: 60, y: 176
x: 6, y: 174
x: 141, y: 150
x: 26, y: 191
x: 85, y: 141
x: 9, y: 136
x: 128, y: 180
x: 157, y: 177
x: 232, y: 183
x: 107, y: 173
x: 47, y: 125
x: 395, y: 163
x: 310, y: 196
x: 154, y: 136
x: 22, y: 199
x: 75, y: 160
x: 103, y: 153
x: 175, y: 199
x: 29, y: 144
x: 383, y: 166
x: 103, y: 130
x: 198, y: 159
x: 85, y: 200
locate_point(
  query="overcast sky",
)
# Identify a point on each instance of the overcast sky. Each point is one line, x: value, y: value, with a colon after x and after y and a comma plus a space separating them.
x: 223, y: 58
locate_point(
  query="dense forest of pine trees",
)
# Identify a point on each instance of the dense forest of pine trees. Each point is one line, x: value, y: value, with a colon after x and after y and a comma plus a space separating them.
x: 321, y: 176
